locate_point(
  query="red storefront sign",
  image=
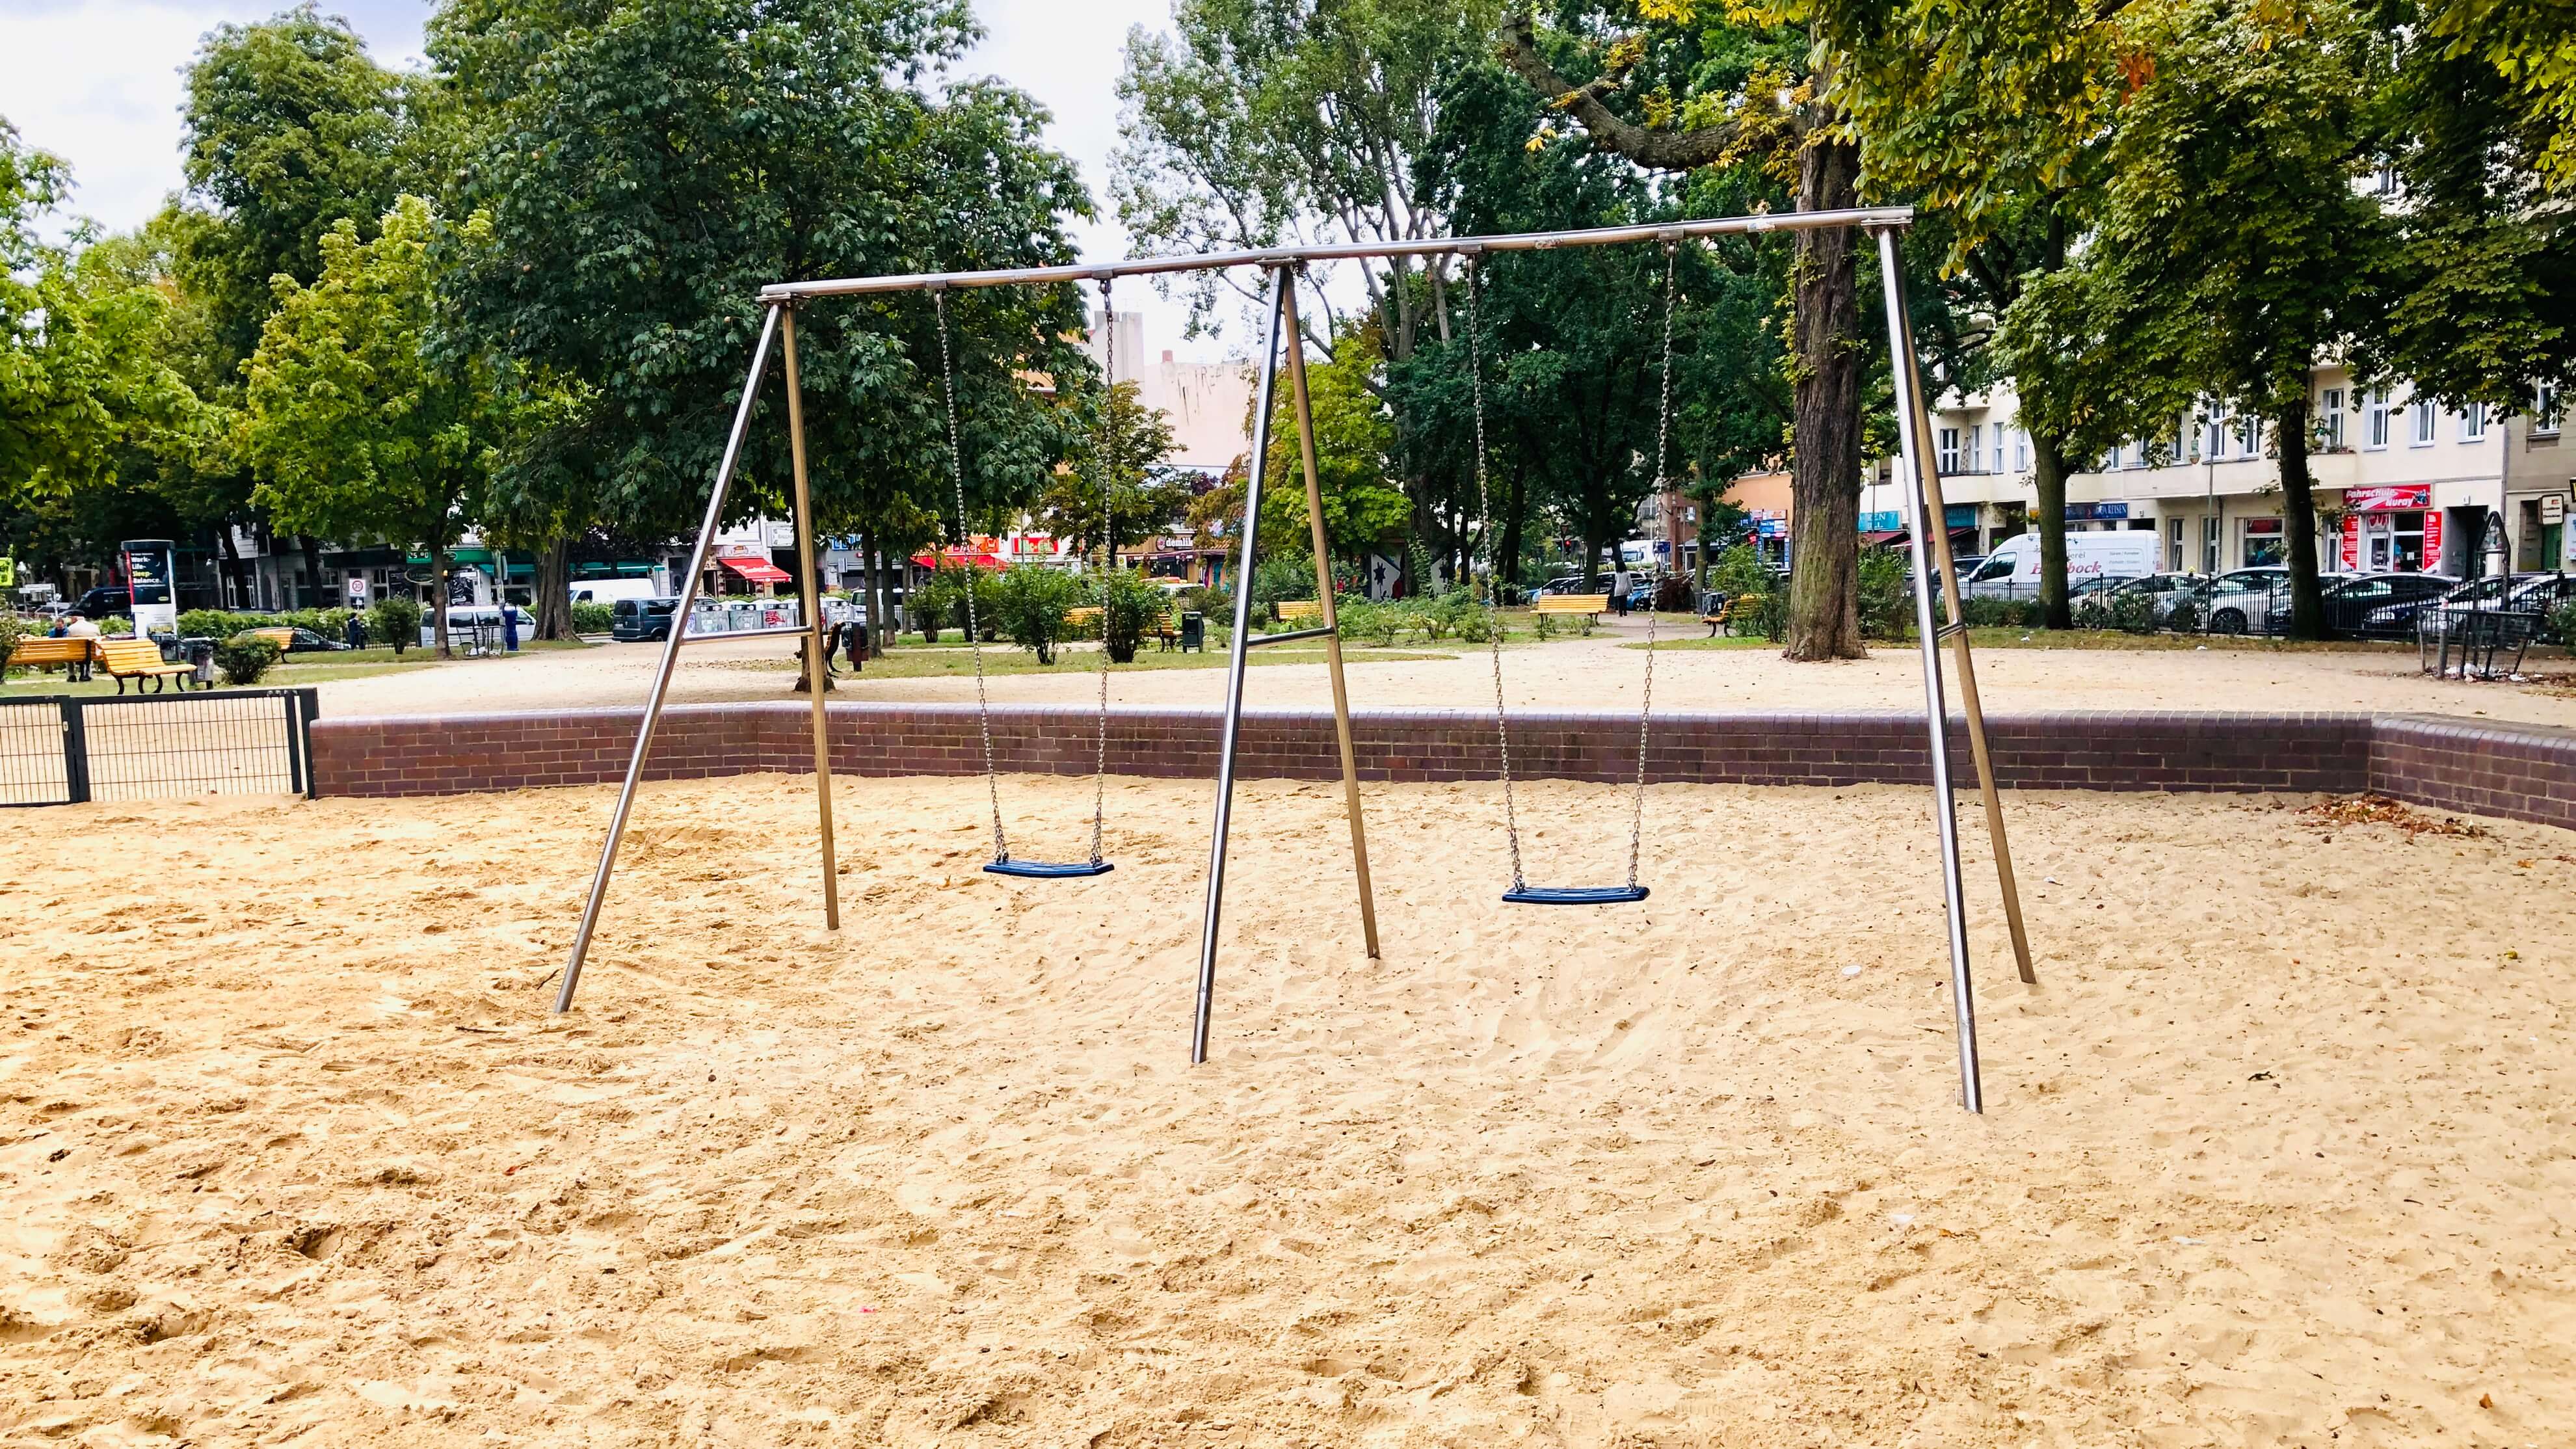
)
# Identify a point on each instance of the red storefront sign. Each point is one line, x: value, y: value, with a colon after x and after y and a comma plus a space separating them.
x: 2381, y: 500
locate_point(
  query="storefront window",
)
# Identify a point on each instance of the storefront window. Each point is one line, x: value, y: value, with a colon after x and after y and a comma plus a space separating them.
x: 2393, y: 540
x: 2265, y: 544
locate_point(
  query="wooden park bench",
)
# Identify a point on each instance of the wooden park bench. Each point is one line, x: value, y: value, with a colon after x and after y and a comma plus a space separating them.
x: 46, y: 653
x: 1587, y: 605
x: 1729, y: 612
x: 284, y: 639
x: 1087, y: 618
x: 139, y: 660
x: 1290, y: 609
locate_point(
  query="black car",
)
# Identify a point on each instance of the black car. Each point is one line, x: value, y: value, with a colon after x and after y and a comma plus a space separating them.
x: 633, y: 621
x: 107, y: 601
x: 306, y: 641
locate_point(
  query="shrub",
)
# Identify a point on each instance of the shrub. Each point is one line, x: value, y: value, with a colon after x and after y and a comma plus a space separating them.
x: 589, y: 617
x: 1739, y: 571
x: 115, y: 624
x: 2133, y: 611
x: 931, y: 601
x: 1275, y: 579
x: 1129, y: 605
x: 2562, y: 623
x: 1674, y: 596
x: 1549, y: 626
x: 245, y: 657
x: 2001, y: 613
x: 13, y: 629
x: 1030, y: 605
x: 1369, y: 622
x: 1215, y: 603
x: 2184, y: 616
x: 395, y: 621
x: 1886, y: 604
x: 1475, y: 627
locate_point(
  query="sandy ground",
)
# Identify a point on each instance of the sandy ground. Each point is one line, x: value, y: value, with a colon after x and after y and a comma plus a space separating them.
x: 1565, y: 674
x: 2279, y: 1154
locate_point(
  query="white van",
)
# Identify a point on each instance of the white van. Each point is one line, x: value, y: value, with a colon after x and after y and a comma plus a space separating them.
x: 609, y: 591
x: 2012, y: 570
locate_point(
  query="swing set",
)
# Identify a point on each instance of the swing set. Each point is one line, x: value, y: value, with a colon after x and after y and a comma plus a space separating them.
x: 1930, y: 547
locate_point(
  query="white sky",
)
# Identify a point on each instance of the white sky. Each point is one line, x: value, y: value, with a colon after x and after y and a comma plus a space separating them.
x: 97, y: 83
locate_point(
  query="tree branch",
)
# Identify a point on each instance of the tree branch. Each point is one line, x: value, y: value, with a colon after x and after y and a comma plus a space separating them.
x: 1656, y: 150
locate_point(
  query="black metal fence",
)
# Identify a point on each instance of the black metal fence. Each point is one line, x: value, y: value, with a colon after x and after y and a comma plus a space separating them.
x: 60, y: 750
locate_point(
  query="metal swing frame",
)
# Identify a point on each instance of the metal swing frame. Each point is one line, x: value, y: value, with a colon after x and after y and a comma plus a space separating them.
x: 1929, y: 543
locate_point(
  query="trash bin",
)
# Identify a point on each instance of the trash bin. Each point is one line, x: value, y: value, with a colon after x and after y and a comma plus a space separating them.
x: 1193, y: 630
x: 199, y: 652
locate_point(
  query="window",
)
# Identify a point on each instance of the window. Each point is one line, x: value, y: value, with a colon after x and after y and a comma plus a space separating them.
x: 2544, y: 409
x: 2021, y: 451
x: 2264, y: 543
x: 2473, y: 423
x: 2330, y: 418
x: 2111, y: 460
x: 2209, y: 544
x: 1976, y: 447
x: 2173, y: 544
x: 2374, y: 419
x: 1949, y: 450
x: 2422, y: 414
x: 2249, y: 434
x: 2214, y: 437
x: 2383, y: 181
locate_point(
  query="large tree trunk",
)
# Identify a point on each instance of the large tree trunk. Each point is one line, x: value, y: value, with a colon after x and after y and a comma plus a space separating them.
x: 554, y: 590
x: 1824, y: 481
x: 2299, y: 520
x: 2048, y: 480
x: 438, y: 599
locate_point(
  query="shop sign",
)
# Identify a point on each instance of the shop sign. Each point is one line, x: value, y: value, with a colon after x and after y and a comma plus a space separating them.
x: 2079, y: 512
x: 1888, y: 521
x: 2553, y: 510
x: 2380, y: 500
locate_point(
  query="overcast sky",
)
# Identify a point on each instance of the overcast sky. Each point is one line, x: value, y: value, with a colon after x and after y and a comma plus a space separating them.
x: 97, y: 83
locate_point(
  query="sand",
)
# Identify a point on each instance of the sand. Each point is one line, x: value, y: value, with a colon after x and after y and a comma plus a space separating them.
x: 2279, y: 1154
x: 1561, y: 674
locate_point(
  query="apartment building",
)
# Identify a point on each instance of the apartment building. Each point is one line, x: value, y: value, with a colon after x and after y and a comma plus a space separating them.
x: 2400, y: 483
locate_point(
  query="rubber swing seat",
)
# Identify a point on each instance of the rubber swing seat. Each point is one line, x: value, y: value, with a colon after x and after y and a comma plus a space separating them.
x: 1049, y: 870
x: 1575, y: 895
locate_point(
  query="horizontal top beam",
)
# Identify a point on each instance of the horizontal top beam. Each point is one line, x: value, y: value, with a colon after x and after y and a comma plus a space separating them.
x: 1530, y: 241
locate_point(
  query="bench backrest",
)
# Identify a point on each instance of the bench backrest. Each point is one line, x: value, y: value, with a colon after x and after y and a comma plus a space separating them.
x: 49, y: 651
x: 132, y: 656
x: 1572, y: 603
x: 1301, y: 608
x: 282, y: 638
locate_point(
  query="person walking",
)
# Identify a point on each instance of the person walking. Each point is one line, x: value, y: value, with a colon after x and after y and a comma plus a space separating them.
x: 354, y: 632
x: 1619, y: 586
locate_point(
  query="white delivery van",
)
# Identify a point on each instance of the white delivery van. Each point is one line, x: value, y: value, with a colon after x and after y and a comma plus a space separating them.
x: 609, y: 591
x: 2012, y: 570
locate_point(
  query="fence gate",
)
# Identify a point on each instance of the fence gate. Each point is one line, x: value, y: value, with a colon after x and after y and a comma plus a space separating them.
x: 61, y: 750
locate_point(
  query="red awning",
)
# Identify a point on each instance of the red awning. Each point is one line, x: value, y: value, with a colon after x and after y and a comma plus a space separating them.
x: 1873, y: 540
x: 757, y: 570
x: 956, y: 559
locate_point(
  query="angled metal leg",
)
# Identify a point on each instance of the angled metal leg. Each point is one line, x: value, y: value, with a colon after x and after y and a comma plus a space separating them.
x: 1963, y: 1008
x: 1279, y: 283
x: 818, y: 647
x: 670, y: 660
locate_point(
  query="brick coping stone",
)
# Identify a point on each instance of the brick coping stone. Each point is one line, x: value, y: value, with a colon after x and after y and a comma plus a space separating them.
x: 2518, y: 771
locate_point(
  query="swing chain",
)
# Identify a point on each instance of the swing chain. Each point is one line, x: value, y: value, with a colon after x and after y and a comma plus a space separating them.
x: 1493, y: 575
x: 1663, y: 478
x: 974, y: 627
x: 1108, y: 541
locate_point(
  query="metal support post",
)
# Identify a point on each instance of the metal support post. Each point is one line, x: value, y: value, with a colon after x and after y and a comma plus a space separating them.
x: 1961, y: 659
x: 1909, y: 416
x: 1234, y: 669
x: 817, y: 647
x: 670, y: 661
x: 1332, y: 631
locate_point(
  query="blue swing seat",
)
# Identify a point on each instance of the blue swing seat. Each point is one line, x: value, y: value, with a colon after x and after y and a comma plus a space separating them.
x: 1575, y: 895
x: 1048, y: 870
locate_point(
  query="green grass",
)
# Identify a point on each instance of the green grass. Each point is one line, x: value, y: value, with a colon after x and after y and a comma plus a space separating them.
x: 292, y: 672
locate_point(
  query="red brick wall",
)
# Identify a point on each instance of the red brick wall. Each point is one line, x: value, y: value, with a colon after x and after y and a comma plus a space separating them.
x: 2525, y: 772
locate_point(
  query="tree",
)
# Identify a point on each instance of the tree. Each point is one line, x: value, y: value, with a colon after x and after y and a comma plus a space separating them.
x: 1120, y: 488
x: 2233, y: 249
x: 1255, y: 123
x: 1692, y: 88
x: 2483, y: 285
x: 360, y: 424
x: 641, y: 168
x: 1354, y: 455
x: 2530, y: 46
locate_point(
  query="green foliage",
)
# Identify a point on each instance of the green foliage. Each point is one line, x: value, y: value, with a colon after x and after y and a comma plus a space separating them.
x: 290, y: 130
x: 931, y: 601
x: 1030, y: 605
x: 2001, y: 613
x: 1139, y: 497
x: 394, y: 620
x: 639, y: 171
x: 1886, y: 603
x: 2129, y: 611
x: 1369, y: 622
x: 243, y: 658
x: 1279, y: 578
x: 359, y: 427
x: 1354, y: 457
x: 1129, y: 606
x: 2562, y: 623
x: 593, y: 618
x: 2530, y: 47
x: 13, y: 629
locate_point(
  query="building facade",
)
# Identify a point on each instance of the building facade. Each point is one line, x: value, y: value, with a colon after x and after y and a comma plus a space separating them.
x: 2400, y: 483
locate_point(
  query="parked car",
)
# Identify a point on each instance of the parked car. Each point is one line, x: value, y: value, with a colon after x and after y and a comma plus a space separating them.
x: 2357, y: 606
x: 107, y: 601
x: 306, y: 641
x: 606, y: 591
x: 2163, y: 591
x: 633, y: 621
